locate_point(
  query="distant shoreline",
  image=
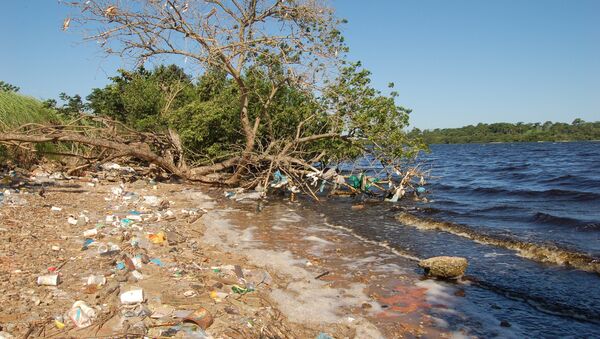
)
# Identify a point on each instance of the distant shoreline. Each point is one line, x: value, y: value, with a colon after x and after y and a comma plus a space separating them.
x: 502, y: 132
x: 512, y: 142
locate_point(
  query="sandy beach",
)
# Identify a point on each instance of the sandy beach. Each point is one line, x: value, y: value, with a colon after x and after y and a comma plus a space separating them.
x: 300, y: 277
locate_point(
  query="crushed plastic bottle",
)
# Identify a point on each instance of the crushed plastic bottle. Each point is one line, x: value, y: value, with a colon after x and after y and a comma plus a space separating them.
x: 81, y: 314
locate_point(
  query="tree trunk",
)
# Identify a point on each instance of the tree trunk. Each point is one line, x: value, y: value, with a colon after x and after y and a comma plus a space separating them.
x: 249, y: 133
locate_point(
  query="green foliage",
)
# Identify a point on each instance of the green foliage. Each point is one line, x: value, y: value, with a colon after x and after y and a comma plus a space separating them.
x: 370, y: 118
x: 6, y: 87
x: 143, y: 98
x: 579, y: 130
x: 72, y: 105
x: 206, y: 112
x: 209, y: 124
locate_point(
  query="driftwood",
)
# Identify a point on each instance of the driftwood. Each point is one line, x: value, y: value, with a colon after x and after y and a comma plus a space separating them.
x: 107, y: 140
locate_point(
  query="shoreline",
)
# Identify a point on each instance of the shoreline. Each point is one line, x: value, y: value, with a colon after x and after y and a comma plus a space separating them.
x: 321, y: 280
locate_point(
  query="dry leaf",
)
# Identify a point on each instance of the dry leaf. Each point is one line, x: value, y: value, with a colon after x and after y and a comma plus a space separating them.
x: 66, y: 24
x: 110, y: 11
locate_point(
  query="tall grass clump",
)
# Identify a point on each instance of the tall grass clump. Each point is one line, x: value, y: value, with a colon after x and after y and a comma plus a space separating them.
x: 16, y: 110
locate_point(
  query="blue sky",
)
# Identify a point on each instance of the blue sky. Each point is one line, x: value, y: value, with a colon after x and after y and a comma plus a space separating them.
x: 453, y: 62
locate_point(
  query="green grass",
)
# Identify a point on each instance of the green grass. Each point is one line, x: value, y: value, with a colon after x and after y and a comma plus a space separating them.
x: 17, y: 109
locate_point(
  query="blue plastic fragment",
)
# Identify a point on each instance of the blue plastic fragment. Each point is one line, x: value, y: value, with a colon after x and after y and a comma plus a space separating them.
x: 126, y: 222
x: 86, y: 243
x: 324, y: 336
x: 157, y: 262
x: 120, y: 265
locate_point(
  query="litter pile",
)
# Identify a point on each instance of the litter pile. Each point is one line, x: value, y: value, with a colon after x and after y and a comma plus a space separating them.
x: 82, y: 257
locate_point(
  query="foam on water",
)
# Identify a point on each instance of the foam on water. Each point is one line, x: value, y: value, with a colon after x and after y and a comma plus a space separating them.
x: 539, y: 252
x: 303, y: 300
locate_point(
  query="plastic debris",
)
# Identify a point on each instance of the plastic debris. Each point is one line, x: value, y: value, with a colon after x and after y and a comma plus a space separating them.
x: 132, y: 297
x: 59, y: 324
x: 48, y: 280
x: 279, y: 180
x: 157, y: 238
x: 157, y: 262
x: 97, y: 280
x: 241, y: 290
x: 218, y: 296
x: 162, y: 311
x: 81, y: 314
x: 87, y: 243
x: 200, y: 317
x: 137, y: 275
x: 90, y: 233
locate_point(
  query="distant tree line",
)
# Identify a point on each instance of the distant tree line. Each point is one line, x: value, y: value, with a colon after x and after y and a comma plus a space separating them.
x: 578, y: 130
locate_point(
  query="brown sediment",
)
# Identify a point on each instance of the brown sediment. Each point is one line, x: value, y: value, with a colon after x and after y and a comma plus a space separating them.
x: 368, y: 292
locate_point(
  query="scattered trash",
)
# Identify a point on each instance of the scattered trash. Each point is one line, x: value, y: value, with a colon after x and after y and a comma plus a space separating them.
x: 151, y: 200
x: 90, y: 233
x: 81, y: 314
x: 132, y: 297
x: 87, y: 243
x: 162, y: 312
x: 157, y: 262
x: 279, y: 180
x: 137, y: 275
x: 48, y: 280
x: 241, y: 290
x: 123, y: 250
x: 157, y: 238
x: 59, y: 324
x: 97, y: 280
x: 322, y: 275
x: 200, y: 317
x: 218, y: 296
x: 189, y: 293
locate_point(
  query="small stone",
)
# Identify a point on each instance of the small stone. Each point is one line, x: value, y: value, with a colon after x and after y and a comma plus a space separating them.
x: 460, y: 293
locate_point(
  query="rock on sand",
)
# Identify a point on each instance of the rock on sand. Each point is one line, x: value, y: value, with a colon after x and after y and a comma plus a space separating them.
x: 444, y: 267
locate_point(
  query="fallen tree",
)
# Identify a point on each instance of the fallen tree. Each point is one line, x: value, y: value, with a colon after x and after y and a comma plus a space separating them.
x: 299, y: 102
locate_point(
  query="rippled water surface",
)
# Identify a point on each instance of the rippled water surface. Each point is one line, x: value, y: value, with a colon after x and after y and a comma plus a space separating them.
x: 526, y: 215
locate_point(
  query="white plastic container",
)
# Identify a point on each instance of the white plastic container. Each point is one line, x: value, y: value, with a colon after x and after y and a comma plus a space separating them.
x: 48, y: 280
x: 137, y: 262
x: 90, y: 233
x: 137, y: 275
x: 132, y: 297
x: 96, y: 280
